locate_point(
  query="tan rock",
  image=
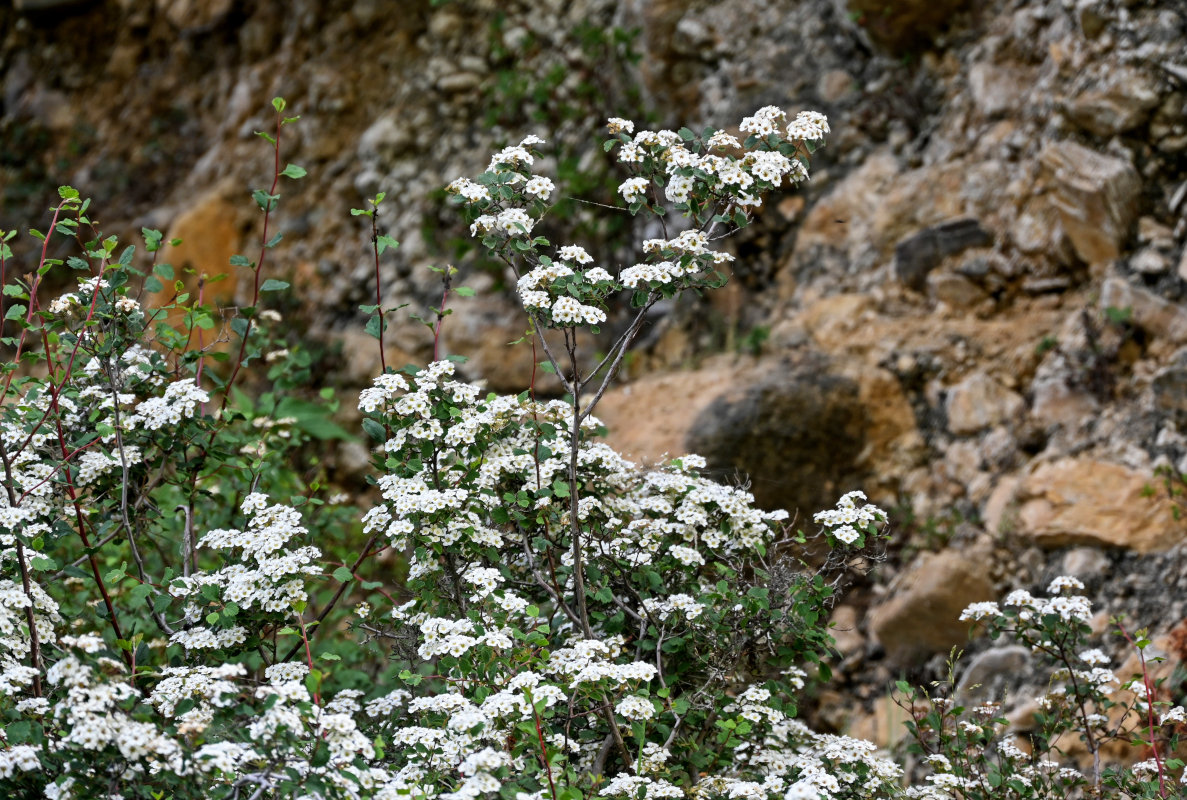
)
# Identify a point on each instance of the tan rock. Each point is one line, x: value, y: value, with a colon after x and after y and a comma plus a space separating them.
x: 1148, y: 311
x: 672, y: 402
x: 995, y: 87
x: 921, y: 613
x: 1096, y: 196
x: 211, y: 231
x: 884, y: 725
x: 979, y: 402
x: 191, y: 14
x: 1083, y: 501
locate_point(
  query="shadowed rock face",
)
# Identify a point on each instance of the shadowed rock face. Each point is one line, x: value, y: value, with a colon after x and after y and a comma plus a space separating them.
x: 798, y: 431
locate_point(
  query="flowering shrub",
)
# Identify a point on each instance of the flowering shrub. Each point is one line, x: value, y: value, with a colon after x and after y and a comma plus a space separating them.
x: 977, y: 753
x: 177, y: 577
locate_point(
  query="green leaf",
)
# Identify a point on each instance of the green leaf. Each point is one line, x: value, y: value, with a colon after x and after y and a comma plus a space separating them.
x: 372, y: 326
x: 273, y: 285
x: 686, y: 134
x: 342, y: 575
x: 532, y: 611
x: 383, y: 242
x: 67, y: 193
x: 374, y: 430
x: 240, y: 261
x: 267, y: 137
x: 279, y: 104
x: 464, y: 291
x: 294, y: 172
x: 165, y: 271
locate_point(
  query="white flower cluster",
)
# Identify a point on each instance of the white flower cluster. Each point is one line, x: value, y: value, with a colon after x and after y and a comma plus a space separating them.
x: 267, y: 576
x: 846, y: 522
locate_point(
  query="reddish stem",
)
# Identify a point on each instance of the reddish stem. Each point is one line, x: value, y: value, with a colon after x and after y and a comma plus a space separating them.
x: 1149, y: 708
x: 308, y: 658
x: 16, y: 359
x: 543, y: 750
x: 259, y: 270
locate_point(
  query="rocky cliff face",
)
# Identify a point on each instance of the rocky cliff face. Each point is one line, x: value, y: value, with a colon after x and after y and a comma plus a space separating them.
x: 973, y: 312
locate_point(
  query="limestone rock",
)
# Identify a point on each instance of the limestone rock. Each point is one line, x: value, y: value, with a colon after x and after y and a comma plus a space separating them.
x: 920, y: 253
x: 211, y: 231
x: 194, y: 14
x: 989, y: 675
x: 679, y: 396
x: 1148, y: 311
x: 979, y: 402
x: 1096, y: 196
x: 921, y: 615
x: 1123, y: 104
x: 995, y: 88
x: 905, y: 24
x: 1084, y: 501
x: 797, y: 432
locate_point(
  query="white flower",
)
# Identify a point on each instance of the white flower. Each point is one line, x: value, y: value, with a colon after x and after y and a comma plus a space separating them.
x: 634, y: 707
x: 632, y: 189
x: 619, y: 125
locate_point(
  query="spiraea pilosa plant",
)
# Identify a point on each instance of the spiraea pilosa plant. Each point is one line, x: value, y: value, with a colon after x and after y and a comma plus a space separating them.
x: 175, y: 576
x: 186, y: 610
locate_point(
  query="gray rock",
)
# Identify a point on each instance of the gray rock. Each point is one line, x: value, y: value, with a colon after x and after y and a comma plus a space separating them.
x: 799, y: 432
x: 920, y: 253
x: 991, y: 674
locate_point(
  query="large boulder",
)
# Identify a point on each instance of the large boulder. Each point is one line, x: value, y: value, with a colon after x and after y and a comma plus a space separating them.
x: 797, y: 432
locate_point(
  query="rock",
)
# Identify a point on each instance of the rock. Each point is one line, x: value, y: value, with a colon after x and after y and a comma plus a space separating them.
x: 385, y: 139
x: 921, y: 613
x: 1096, y: 196
x: 211, y: 231
x: 1182, y: 269
x: 1150, y: 262
x: 1055, y: 400
x: 1084, y: 501
x: 1170, y: 392
x: 844, y: 629
x: 1038, y: 229
x: 459, y: 82
x: 835, y: 85
x: 1121, y: 105
x: 992, y: 674
x: 187, y: 15
x: 954, y: 290
x: 665, y: 434
x: 42, y: 5
x: 906, y: 24
x: 979, y: 402
x: 920, y: 253
x: 1153, y: 314
x: 995, y: 88
x: 1084, y: 563
x: 797, y: 431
